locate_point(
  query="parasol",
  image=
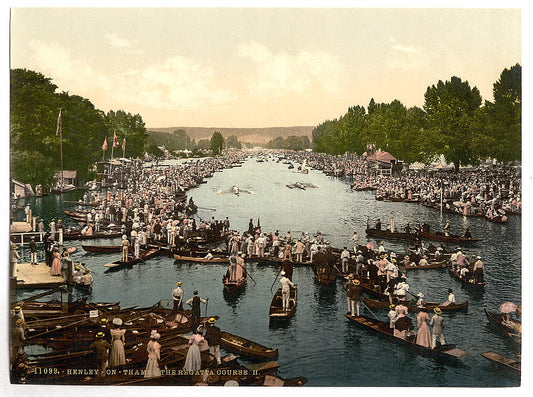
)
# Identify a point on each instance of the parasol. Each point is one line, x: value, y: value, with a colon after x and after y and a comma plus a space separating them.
x: 507, y: 307
x: 403, y: 324
x: 371, y: 246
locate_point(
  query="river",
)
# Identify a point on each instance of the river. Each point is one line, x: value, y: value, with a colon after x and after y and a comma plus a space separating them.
x: 319, y: 342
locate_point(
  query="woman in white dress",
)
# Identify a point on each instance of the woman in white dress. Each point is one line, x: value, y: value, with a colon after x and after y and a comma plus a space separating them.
x: 193, y: 362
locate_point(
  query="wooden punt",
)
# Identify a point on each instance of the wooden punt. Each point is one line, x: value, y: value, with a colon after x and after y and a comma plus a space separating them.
x: 232, y: 287
x: 102, y: 248
x: 387, y: 234
x: 514, y: 366
x: 448, y: 352
x: 438, y: 236
x: 144, y: 255
x: 276, y: 306
x: 200, y: 259
x: 429, y: 306
x: 247, y: 348
x: 326, y: 277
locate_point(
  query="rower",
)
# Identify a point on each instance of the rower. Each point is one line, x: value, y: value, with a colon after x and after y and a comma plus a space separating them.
x: 447, y: 228
x: 378, y: 224
x: 467, y: 233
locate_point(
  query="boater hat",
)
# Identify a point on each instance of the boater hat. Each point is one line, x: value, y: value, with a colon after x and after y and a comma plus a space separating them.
x: 212, y: 320
x: 100, y: 335
x: 179, y: 283
x: 437, y: 310
x: 356, y: 282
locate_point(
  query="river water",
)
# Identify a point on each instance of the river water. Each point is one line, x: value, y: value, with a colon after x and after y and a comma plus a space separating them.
x: 319, y: 342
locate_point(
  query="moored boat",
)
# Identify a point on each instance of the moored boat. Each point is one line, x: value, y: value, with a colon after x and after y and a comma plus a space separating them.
x: 446, y: 352
x: 200, y: 259
x: 430, y: 265
x: 80, y: 236
x: 232, y: 287
x: 118, y: 265
x: 247, y: 348
x: 509, y: 326
x: 102, y: 248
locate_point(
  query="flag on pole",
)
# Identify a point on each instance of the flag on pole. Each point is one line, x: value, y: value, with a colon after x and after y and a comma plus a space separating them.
x: 58, y: 127
x: 104, y: 146
x: 124, y: 144
x: 115, y: 139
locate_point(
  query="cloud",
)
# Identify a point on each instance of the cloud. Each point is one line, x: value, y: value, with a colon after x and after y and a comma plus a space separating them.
x: 123, y: 44
x: 407, y: 57
x: 275, y: 75
x: 175, y: 83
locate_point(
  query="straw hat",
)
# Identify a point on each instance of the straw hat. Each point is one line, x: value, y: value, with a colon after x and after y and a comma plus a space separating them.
x: 179, y: 283
x: 356, y: 282
x: 392, y: 306
x: 103, y: 320
x: 212, y: 320
x: 282, y: 272
x: 351, y: 276
x: 437, y: 310
x: 100, y: 335
x: 420, y: 295
x: 117, y: 321
x: 17, y: 308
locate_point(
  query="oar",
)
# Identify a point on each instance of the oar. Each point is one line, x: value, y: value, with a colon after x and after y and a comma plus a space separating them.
x: 208, y: 209
x: 206, y: 303
x: 279, y: 271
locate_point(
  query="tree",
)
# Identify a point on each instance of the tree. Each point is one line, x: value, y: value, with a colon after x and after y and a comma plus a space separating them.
x: 505, y: 116
x: 233, y: 142
x: 128, y: 126
x: 217, y: 143
x: 450, y: 107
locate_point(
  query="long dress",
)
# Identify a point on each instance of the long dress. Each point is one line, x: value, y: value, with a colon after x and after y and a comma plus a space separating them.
x: 117, y: 356
x: 152, y: 367
x: 193, y: 362
x: 423, y: 336
x: 55, y: 270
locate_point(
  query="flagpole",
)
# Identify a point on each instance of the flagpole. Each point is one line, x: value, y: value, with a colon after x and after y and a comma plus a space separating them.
x: 61, y: 149
x: 113, y: 145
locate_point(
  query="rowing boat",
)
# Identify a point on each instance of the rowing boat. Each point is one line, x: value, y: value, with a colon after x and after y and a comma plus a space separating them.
x: 514, y: 366
x: 444, y: 352
x: 412, y: 307
x: 325, y: 276
x: 511, y: 327
x: 246, y: 348
x: 200, y: 259
x: 430, y: 265
x: 439, y: 236
x: 387, y: 234
x: 276, y: 306
x: 466, y: 281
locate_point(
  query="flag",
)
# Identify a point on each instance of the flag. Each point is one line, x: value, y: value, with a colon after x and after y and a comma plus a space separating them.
x: 104, y: 146
x: 115, y: 139
x: 124, y: 144
x: 58, y: 127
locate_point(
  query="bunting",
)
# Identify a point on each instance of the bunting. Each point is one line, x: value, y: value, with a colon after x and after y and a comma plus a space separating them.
x: 58, y: 126
x: 104, y: 146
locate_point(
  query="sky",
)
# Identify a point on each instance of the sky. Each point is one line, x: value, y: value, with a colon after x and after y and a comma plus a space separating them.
x: 260, y: 67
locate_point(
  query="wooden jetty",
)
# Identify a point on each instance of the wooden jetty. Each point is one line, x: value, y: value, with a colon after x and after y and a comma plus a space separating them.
x: 36, y: 276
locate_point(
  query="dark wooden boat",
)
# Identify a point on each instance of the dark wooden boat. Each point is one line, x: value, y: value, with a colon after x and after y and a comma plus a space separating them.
x: 326, y: 276
x: 102, y: 248
x: 387, y: 234
x: 411, y: 306
x: 200, y: 259
x: 276, y: 306
x: 513, y: 330
x: 144, y: 255
x: 375, y: 292
x: 444, y: 352
x: 232, y: 287
x: 247, y: 348
x: 514, y: 366
x: 439, y: 236
x: 467, y: 282
x: 79, y: 236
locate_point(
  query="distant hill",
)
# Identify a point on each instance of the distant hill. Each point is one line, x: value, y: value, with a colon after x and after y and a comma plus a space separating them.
x: 252, y: 135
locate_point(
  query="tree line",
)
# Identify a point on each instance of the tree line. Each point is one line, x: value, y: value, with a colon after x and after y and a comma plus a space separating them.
x: 454, y: 122
x: 40, y: 117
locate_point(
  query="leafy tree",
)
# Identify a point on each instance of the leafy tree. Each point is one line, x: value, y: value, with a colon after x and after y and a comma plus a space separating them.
x: 33, y: 167
x: 203, y: 144
x: 450, y: 107
x: 505, y: 116
x: 128, y: 126
x: 217, y: 143
x: 154, y: 150
x: 233, y: 142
